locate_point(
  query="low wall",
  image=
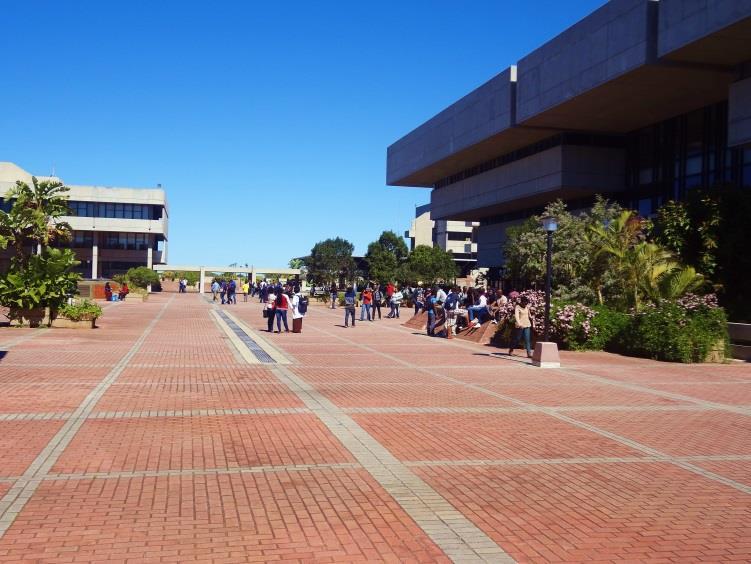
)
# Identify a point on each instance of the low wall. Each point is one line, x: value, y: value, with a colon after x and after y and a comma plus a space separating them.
x: 740, y: 340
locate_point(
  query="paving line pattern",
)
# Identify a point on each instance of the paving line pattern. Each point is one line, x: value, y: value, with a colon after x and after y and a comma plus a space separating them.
x: 19, y: 494
x: 560, y: 416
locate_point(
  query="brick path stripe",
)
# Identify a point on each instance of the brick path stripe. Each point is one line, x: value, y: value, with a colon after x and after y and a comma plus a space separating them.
x: 450, y: 530
x: 16, y: 498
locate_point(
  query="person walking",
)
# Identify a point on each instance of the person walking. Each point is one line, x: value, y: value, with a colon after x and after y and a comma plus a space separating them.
x: 349, y: 306
x: 418, y: 297
x: 377, y: 299
x: 232, y: 292
x: 281, y: 307
x: 334, y: 293
x: 367, y: 298
x: 299, y: 309
x: 223, y: 290
x: 523, y: 318
x: 269, y: 307
x: 215, y: 288
x: 430, y: 303
x: 246, y: 289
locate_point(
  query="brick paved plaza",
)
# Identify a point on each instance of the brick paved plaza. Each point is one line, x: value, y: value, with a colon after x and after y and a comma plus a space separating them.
x: 174, y: 433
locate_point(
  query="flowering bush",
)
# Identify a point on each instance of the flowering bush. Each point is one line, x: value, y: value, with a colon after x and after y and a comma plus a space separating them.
x: 571, y: 325
x: 688, y: 329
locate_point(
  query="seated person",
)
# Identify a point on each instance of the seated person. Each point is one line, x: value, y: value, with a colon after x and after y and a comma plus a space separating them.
x: 498, y: 306
x: 475, y: 312
x: 124, y: 291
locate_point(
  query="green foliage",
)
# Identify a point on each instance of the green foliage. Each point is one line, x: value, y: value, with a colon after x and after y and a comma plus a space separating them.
x: 609, y: 327
x: 191, y: 277
x: 667, y: 331
x: 385, y: 255
x: 330, y: 259
x: 141, y: 277
x: 709, y: 231
x: 45, y: 281
x: 578, y: 274
x: 428, y: 265
x: 83, y: 310
x: 34, y: 217
x: 297, y: 263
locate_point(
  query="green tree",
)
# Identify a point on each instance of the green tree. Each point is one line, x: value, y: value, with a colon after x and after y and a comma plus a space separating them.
x: 385, y: 255
x: 34, y: 218
x: 428, y: 265
x: 142, y: 276
x: 329, y: 260
x: 190, y: 276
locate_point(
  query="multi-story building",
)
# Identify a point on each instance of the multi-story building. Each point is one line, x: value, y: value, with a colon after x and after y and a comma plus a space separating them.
x: 641, y: 101
x: 455, y: 236
x: 114, y: 229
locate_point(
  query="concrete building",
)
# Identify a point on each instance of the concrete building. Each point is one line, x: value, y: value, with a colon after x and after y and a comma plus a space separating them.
x: 640, y: 101
x: 455, y: 236
x: 114, y: 229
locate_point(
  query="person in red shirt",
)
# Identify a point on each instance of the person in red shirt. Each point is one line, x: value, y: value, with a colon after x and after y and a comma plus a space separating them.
x: 367, y: 300
x: 280, y: 308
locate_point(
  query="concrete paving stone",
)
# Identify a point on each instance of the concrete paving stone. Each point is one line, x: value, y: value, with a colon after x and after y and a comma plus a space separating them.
x: 402, y: 395
x: 22, y: 441
x: 721, y: 392
x: 573, y: 513
x: 282, y: 515
x: 178, y: 443
x: 738, y: 470
x: 498, y: 436
x: 34, y: 398
x: 580, y: 394
x: 15, y: 374
x: 678, y: 433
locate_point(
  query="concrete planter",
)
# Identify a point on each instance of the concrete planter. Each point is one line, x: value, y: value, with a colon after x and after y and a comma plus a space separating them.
x: 740, y: 340
x: 63, y: 323
x: 35, y: 317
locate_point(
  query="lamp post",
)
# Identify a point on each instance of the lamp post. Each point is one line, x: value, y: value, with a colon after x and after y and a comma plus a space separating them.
x: 550, y: 224
x: 546, y: 353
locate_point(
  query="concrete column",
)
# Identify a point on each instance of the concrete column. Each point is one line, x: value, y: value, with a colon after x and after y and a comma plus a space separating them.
x: 95, y: 257
x: 150, y: 257
x: 200, y: 280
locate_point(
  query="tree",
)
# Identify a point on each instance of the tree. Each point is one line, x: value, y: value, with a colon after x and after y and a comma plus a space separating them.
x: 385, y: 255
x: 142, y: 276
x: 34, y: 217
x: 393, y: 244
x: 428, y: 265
x: 296, y: 263
x: 329, y: 260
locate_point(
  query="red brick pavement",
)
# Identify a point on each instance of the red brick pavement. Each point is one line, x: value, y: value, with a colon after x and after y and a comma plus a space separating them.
x: 271, y: 486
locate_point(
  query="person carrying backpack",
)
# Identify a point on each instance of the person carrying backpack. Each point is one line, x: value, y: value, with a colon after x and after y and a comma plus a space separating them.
x: 377, y: 299
x: 299, y: 309
x: 349, y: 306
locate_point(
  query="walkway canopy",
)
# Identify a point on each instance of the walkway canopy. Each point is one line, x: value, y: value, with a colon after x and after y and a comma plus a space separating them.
x: 252, y: 271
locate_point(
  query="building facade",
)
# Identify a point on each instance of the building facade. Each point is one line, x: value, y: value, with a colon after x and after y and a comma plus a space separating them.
x: 114, y: 229
x: 459, y: 237
x: 641, y: 101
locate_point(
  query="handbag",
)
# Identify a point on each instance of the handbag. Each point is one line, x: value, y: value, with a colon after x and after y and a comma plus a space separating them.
x: 265, y: 313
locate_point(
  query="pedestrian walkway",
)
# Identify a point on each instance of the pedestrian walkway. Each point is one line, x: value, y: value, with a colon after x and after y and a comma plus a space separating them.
x: 181, y: 431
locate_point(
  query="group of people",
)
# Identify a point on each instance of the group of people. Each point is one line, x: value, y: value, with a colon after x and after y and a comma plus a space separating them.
x: 281, y: 299
x: 450, y: 310
x: 121, y: 293
x: 372, y: 298
x: 182, y: 286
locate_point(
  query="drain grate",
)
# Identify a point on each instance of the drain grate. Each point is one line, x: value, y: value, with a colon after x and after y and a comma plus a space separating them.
x: 253, y: 347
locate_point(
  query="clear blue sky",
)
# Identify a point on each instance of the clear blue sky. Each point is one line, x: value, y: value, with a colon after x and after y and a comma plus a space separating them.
x: 266, y: 122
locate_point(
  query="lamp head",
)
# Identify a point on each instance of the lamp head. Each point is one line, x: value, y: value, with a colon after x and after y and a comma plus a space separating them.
x: 550, y: 223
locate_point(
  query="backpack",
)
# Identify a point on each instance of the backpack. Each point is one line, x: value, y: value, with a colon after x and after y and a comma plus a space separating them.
x: 302, y: 305
x: 451, y: 301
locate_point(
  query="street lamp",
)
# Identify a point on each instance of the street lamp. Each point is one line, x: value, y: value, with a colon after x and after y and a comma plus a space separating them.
x: 546, y: 353
x: 550, y: 224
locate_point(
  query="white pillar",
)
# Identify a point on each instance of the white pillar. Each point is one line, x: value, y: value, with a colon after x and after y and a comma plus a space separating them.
x: 150, y: 257
x: 95, y: 256
x: 200, y: 280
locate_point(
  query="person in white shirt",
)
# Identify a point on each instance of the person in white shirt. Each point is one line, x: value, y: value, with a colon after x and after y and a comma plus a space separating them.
x: 497, y: 307
x: 479, y: 309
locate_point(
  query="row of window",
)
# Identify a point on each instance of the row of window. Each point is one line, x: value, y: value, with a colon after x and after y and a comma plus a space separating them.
x: 115, y: 210
x: 110, y: 240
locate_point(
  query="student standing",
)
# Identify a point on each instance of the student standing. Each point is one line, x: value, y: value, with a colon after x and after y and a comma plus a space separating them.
x: 367, y: 298
x: 246, y: 289
x: 281, y: 307
x: 377, y: 299
x: 349, y: 306
x: 334, y: 293
x: 299, y: 309
x: 396, y: 301
x: 270, y: 305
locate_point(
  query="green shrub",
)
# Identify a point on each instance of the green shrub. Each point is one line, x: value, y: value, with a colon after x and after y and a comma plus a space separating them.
x: 80, y: 311
x: 142, y: 276
x: 609, y: 329
x: 677, y: 331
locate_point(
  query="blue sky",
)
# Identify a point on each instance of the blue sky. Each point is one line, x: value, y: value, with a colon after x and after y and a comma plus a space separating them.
x: 267, y: 123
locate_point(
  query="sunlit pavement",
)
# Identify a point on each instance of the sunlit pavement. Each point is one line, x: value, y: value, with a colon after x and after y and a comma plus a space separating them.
x: 173, y: 434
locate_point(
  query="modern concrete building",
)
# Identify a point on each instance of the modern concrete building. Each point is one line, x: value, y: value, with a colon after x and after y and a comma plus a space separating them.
x: 640, y: 101
x: 114, y: 229
x: 455, y: 236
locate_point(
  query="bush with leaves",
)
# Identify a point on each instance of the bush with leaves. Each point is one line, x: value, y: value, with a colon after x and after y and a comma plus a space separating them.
x: 685, y: 330
x: 141, y: 277
x: 83, y: 310
x: 428, y: 265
